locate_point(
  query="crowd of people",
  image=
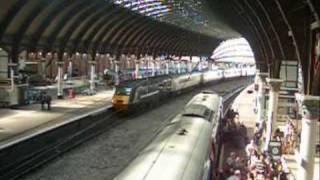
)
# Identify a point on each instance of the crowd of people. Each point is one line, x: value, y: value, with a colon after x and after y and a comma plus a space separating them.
x: 233, y: 130
x: 253, y: 164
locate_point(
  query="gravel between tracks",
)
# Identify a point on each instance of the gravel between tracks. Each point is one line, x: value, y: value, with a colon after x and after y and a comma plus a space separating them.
x: 104, y: 156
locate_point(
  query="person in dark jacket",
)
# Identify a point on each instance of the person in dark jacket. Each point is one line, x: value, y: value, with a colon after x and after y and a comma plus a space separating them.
x: 45, y: 99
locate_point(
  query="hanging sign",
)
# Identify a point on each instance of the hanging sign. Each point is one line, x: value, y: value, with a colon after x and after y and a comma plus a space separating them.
x: 275, y: 149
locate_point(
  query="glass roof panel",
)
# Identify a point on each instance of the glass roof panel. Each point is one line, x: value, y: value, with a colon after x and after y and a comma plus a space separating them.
x: 194, y: 15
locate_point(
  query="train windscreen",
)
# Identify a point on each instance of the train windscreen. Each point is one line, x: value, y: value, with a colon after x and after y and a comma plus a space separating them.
x: 123, y: 91
x: 198, y: 111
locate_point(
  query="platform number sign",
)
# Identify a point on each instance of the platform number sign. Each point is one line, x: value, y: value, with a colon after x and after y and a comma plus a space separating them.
x: 275, y: 149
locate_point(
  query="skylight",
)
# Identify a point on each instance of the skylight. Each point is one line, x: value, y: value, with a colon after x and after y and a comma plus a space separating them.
x: 234, y: 50
x: 194, y: 15
x: 152, y: 8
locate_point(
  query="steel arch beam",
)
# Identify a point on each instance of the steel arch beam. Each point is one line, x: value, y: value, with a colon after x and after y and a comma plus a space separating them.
x: 125, y: 32
x: 236, y: 11
x: 296, y: 46
x: 87, y: 25
x: 92, y: 25
x: 279, y: 42
x: 11, y: 14
x: 179, y: 44
x: 141, y: 31
x: 68, y: 11
x: 248, y: 19
x: 105, y: 28
x: 46, y: 21
x: 255, y: 32
x: 117, y: 30
x: 117, y: 26
x: 156, y: 38
x: 85, y: 8
x: 260, y: 24
x: 28, y: 20
x: 105, y: 36
x: 141, y: 38
x: 77, y: 25
x: 165, y: 37
x: 166, y: 40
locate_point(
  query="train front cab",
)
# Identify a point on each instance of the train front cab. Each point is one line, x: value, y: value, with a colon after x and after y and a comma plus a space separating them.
x: 121, y: 98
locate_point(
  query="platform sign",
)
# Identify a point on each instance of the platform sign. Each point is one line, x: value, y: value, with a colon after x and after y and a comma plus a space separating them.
x: 275, y: 149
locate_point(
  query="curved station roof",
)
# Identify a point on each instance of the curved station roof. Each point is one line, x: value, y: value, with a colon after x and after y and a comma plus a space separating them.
x: 277, y: 30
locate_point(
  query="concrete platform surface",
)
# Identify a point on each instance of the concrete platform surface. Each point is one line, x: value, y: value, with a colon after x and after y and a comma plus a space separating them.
x: 18, y: 123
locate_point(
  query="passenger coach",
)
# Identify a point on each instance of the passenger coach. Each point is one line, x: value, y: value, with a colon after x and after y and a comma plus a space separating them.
x: 186, y: 149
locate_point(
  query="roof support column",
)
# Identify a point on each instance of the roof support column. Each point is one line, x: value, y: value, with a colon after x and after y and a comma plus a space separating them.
x: 70, y: 66
x: 261, y: 98
x: 179, y: 66
x: 137, y: 66
x: 111, y: 63
x: 173, y: 67
x: 274, y: 85
x: 167, y: 67
x: 43, y: 61
x: 92, y: 75
x: 200, y: 67
x: 60, y: 64
x: 13, y: 65
x: 153, y: 67
x: 189, y: 64
x: 117, y: 70
x: 310, y: 109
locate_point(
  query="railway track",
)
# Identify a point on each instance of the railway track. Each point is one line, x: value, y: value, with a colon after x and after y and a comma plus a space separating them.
x: 21, y: 158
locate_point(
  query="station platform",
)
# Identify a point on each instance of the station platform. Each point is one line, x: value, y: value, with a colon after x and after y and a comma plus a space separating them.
x: 29, y: 120
x: 244, y: 105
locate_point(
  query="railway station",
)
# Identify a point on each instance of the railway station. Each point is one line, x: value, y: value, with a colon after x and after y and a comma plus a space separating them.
x: 160, y: 89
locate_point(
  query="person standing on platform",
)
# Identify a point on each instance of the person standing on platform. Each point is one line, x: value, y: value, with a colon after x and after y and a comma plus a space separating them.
x: 290, y: 137
x: 45, y: 99
x: 251, y: 147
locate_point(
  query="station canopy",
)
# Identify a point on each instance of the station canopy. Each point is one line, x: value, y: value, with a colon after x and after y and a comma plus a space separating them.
x: 186, y: 27
x: 277, y: 30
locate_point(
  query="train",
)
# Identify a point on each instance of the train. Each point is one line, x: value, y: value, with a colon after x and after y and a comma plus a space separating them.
x: 137, y: 94
x: 187, y: 148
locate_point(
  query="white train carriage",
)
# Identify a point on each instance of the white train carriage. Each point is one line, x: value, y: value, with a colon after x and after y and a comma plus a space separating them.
x: 231, y: 73
x: 251, y: 71
x: 182, y: 82
x: 244, y: 71
x: 211, y: 76
x: 184, y: 148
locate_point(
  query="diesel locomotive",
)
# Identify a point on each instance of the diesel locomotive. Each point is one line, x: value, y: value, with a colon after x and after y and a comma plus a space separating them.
x: 135, y: 94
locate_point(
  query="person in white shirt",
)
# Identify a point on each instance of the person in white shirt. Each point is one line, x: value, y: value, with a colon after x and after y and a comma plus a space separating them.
x: 251, y: 147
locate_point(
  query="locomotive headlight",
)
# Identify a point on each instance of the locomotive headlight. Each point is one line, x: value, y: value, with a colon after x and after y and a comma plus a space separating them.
x: 128, y: 90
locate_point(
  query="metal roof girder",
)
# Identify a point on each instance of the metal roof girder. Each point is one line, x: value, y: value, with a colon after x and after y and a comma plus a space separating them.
x: 77, y: 25
x: 77, y: 13
x: 11, y: 14
x: 90, y: 24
